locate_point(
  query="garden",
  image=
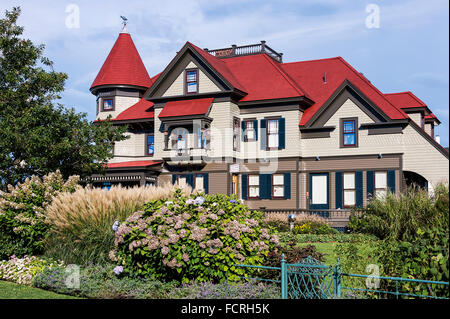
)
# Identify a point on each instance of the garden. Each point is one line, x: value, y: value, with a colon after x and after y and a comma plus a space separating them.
x: 59, y: 240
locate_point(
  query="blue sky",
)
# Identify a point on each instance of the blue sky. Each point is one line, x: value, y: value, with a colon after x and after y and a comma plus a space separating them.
x: 409, y: 50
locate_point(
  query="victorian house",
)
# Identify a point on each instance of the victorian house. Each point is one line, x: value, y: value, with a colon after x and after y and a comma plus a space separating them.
x: 299, y: 135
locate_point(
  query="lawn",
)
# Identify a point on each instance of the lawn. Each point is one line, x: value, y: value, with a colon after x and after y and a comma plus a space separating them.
x: 10, y: 290
x: 325, y: 248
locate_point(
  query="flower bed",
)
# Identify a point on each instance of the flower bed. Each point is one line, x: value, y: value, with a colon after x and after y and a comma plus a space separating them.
x: 23, y: 270
x: 192, y: 238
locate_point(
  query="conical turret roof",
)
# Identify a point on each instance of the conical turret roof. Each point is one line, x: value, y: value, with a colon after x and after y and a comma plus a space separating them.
x: 123, y: 66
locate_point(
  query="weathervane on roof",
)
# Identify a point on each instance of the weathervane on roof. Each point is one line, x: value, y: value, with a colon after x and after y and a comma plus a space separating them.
x: 124, y: 22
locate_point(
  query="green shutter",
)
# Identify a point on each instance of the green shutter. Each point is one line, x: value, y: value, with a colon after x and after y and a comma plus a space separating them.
x: 358, y: 189
x: 244, y: 184
x: 255, y: 126
x: 243, y: 130
x: 263, y: 134
x: 391, y: 180
x: 206, y: 182
x: 338, y: 186
x: 174, y: 179
x: 287, y: 185
x: 282, y: 133
x: 370, y: 184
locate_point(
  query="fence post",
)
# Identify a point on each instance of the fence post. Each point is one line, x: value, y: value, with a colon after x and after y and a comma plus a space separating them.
x: 337, y: 279
x: 284, y: 279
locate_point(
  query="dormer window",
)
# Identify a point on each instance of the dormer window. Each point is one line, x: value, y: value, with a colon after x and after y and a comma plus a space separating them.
x: 191, y: 81
x: 108, y: 105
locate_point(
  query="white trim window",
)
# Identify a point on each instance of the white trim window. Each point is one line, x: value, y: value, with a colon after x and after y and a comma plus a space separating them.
x: 253, y: 186
x: 199, y: 182
x: 272, y: 133
x: 349, y: 189
x: 380, y: 184
x: 278, y: 186
x: 319, y: 189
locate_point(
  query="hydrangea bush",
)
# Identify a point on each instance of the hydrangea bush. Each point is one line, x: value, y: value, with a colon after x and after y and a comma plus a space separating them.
x: 22, y: 220
x: 192, y: 238
x: 23, y: 270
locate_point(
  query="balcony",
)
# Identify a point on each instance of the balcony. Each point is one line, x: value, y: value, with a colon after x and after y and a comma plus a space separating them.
x: 187, y: 156
x: 250, y: 49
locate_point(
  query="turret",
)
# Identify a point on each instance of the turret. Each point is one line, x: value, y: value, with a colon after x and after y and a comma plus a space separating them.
x: 122, y: 80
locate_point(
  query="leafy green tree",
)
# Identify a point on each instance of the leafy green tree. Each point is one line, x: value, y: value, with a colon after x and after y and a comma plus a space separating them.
x: 38, y: 135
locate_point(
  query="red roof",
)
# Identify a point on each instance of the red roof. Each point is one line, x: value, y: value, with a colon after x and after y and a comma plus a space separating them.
x: 186, y: 107
x: 141, y: 110
x: 123, y: 66
x: 405, y: 100
x: 310, y: 74
x: 133, y: 164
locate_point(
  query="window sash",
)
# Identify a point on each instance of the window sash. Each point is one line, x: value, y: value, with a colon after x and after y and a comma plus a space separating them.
x: 349, y: 133
x: 108, y: 104
x: 150, y: 145
x: 199, y: 182
x: 349, y: 198
x: 181, y: 180
x: 249, y: 131
x: 253, y: 180
x: 319, y: 189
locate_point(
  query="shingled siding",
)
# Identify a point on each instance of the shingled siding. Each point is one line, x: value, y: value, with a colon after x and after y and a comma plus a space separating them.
x: 121, y: 103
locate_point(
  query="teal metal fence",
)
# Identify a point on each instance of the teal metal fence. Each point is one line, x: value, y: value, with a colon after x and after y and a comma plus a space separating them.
x: 311, y: 279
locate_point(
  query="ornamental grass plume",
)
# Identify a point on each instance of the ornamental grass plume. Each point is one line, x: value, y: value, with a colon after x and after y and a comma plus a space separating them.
x: 81, y: 222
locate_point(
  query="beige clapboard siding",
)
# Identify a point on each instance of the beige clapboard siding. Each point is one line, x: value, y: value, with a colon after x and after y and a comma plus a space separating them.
x: 423, y: 158
x: 418, y: 154
x: 352, y: 163
x: 416, y: 117
x: 428, y: 129
x: 221, y: 130
x: 121, y: 103
x: 133, y: 146
x: 120, y: 159
x: 205, y: 85
x: 251, y: 150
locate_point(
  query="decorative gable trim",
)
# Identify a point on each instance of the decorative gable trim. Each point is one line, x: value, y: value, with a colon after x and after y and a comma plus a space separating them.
x: 161, y: 84
x: 344, y: 92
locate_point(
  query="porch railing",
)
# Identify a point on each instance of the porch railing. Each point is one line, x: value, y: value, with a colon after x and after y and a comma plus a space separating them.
x: 336, y: 218
x: 250, y: 49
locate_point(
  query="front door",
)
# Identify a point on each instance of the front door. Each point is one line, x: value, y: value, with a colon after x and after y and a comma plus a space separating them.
x: 235, y: 184
x: 318, y: 191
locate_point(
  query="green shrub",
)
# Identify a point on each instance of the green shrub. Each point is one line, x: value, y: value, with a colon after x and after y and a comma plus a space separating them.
x: 327, y: 238
x: 227, y: 290
x: 100, y: 281
x: 313, y: 228
x: 192, y: 238
x: 81, y: 222
x: 425, y: 257
x: 22, y: 219
x: 399, y: 217
x: 280, y: 222
x: 23, y: 270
